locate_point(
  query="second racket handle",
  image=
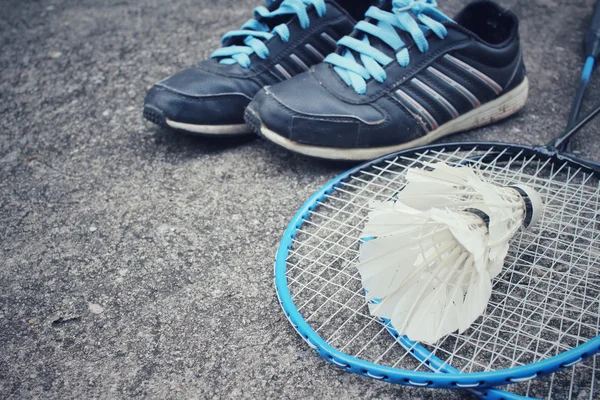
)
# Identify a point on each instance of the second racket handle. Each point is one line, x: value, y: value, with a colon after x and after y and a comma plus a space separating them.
x: 592, y: 37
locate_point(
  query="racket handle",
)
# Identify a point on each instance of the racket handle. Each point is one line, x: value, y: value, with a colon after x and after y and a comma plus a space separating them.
x: 592, y: 37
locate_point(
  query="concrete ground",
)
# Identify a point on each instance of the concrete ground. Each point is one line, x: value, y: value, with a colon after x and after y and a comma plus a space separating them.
x: 137, y: 262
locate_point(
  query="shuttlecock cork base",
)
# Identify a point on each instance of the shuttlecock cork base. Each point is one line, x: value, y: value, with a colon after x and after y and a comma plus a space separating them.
x: 433, y: 250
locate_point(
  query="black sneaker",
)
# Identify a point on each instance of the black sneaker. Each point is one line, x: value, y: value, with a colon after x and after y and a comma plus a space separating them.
x: 281, y: 41
x: 391, y: 88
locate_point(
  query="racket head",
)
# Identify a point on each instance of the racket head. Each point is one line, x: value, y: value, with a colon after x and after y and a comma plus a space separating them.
x: 403, y: 361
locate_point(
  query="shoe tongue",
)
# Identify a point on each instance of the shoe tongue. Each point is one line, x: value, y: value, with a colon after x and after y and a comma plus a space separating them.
x: 386, y: 5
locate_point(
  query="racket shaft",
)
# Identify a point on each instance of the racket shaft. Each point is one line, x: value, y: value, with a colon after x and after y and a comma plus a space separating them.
x: 592, y: 38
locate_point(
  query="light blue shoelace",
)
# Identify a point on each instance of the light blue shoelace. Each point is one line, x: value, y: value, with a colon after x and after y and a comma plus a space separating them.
x: 415, y: 17
x: 255, y: 32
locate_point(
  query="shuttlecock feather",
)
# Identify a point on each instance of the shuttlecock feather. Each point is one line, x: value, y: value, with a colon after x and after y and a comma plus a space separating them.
x: 433, y: 250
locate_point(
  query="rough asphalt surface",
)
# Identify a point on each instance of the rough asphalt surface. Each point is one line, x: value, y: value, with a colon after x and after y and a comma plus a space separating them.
x: 137, y: 262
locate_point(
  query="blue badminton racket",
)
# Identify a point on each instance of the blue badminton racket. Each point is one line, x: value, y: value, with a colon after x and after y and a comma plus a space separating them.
x: 544, y: 312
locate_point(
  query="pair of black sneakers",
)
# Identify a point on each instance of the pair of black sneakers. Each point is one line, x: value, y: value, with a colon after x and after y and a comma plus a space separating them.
x: 307, y: 76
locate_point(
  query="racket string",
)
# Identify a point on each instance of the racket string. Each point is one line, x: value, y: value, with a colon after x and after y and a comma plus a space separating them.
x: 550, y: 278
x: 530, y: 292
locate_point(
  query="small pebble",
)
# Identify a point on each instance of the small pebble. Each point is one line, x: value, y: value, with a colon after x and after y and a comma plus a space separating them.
x: 93, y: 229
x: 55, y: 54
x: 95, y: 308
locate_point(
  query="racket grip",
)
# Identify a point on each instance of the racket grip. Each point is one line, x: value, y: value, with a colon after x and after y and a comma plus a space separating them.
x: 592, y: 37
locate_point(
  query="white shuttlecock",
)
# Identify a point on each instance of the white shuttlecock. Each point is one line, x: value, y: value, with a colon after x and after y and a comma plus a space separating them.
x: 430, y: 255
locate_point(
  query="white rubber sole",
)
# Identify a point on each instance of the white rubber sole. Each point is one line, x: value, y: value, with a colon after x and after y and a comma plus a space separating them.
x: 495, y: 110
x: 217, y: 130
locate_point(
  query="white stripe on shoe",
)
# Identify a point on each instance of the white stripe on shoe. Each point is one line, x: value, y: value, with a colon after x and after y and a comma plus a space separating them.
x: 438, y: 97
x: 299, y: 61
x: 315, y: 52
x: 329, y: 39
x: 460, y: 88
x: 283, y: 72
x: 476, y: 73
x: 418, y: 109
